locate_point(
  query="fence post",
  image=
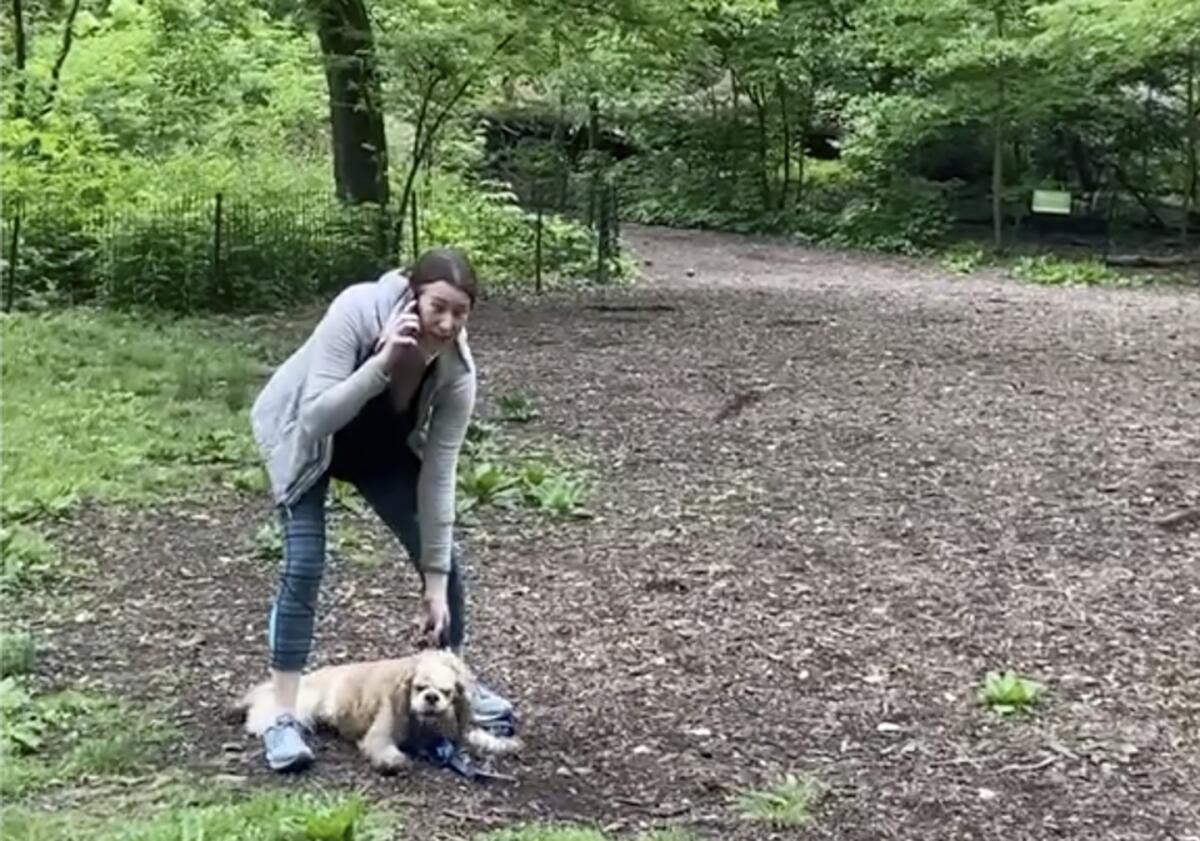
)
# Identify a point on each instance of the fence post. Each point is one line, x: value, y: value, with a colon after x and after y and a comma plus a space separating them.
x: 217, y: 278
x: 602, y: 237
x: 537, y: 237
x: 615, y: 213
x: 11, y: 289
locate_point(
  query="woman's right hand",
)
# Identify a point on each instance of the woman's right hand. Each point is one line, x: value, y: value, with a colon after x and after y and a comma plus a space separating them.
x: 400, y: 335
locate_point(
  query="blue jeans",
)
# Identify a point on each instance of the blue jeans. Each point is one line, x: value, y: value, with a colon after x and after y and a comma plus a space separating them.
x: 393, y: 496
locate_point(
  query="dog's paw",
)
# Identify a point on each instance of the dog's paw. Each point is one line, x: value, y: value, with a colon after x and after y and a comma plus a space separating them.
x: 489, y: 744
x: 390, y: 760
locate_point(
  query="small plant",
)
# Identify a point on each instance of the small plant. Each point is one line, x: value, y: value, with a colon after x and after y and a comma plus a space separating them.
x: 334, y: 823
x: 517, y: 407
x: 1050, y: 270
x: 26, y: 556
x: 962, y: 260
x: 486, y: 482
x: 16, y: 653
x: 558, y: 495
x: 789, y: 803
x: 1007, y: 692
x: 268, y: 543
x: 250, y: 479
x: 21, y: 722
x: 533, y: 473
x: 541, y: 832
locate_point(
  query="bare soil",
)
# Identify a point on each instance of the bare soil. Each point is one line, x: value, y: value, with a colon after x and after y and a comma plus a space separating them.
x: 833, y: 490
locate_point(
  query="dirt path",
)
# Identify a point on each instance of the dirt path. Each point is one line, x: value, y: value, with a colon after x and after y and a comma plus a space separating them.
x: 834, y: 491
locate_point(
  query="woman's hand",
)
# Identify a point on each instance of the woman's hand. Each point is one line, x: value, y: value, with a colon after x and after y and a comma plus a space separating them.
x: 400, y: 336
x: 435, y: 610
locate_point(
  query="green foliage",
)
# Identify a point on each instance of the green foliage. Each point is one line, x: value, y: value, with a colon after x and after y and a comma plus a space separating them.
x: 788, y: 803
x: 98, y: 404
x: 1050, y: 270
x: 27, y: 558
x: 271, y: 816
x: 68, y: 735
x: 517, y: 407
x: 17, y: 653
x: 486, y: 221
x: 963, y: 259
x: 495, y: 472
x: 1006, y: 692
x: 534, y: 832
x: 267, y: 544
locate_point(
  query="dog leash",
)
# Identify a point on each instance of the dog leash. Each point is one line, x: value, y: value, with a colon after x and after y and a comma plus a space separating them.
x: 446, y: 754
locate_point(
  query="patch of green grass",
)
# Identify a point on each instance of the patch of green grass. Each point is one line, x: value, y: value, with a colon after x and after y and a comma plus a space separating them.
x: 788, y: 803
x: 543, y: 832
x: 964, y: 259
x: 17, y: 653
x: 562, y: 832
x: 70, y: 735
x: 507, y: 480
x: 1050, y: 270
x: 1007, y: 692
x: 105, y: 405
x: 267, y: 543
x: 517, y: 407
x: 26, y: 558
x: 273, y: 816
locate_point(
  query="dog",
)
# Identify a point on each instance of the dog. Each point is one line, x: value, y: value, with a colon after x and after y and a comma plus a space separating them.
x: 380, y: 705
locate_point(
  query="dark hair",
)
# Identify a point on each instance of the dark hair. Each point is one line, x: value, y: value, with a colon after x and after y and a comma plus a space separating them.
x: 449, y: 264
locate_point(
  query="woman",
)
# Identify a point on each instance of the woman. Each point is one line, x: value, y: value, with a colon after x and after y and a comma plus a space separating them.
x: 379, y: 395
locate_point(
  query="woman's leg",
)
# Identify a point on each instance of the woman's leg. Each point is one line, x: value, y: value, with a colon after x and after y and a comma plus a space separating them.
x: 293, y: 616
x: 394, y: 499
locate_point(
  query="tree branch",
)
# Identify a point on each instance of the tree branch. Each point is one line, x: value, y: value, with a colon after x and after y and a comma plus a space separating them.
x: 63, y: 52
x: 20, y: 59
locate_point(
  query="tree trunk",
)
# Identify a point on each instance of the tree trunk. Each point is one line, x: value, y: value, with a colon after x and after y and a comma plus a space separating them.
x: 360, y: 164
x: 998, y: 149
x: 733, y: 140
x: 1193, y: 124
x: 593, y: 141
x: 757, y: 97
x: 19, y: 59
x: 781, y: 93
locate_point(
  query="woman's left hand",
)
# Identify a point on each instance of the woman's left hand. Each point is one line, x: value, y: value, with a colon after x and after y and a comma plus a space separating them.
x: 435, y: 619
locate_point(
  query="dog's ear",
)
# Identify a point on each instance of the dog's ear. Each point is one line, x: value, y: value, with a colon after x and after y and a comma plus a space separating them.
x: 463, y: 715
x: 402, y: 703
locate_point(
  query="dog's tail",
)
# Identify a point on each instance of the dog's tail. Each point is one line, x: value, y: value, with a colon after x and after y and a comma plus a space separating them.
x: 490, y: 744
x: 250, y: 706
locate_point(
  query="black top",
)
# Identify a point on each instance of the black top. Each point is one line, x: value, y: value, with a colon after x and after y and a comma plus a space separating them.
x: 375, y: 440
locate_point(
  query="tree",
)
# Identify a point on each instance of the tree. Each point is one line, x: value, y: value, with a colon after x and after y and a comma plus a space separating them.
x: 360, y: 160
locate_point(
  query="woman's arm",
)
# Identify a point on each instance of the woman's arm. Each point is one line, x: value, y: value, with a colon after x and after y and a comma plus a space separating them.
x: 436, y: 485
x: 334, y: 391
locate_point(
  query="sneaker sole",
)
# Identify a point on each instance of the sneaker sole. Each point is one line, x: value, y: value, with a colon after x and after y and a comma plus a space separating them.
x: 296, y: 763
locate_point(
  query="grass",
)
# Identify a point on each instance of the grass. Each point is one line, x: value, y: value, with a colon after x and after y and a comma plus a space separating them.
x: 788, y: 803
x: 493, y: 471
x: 271, y: 816
x: 1051, y: 270
x: 1007, y: 692
x: 517, y: 407
x: 105, y: 405
x: 67, y: 736
x: 17, y: 653
x: 545, y: 832
x: 26, y: 558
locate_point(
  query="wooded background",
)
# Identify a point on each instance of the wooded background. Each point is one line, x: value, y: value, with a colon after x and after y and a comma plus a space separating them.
x: 237, y: 154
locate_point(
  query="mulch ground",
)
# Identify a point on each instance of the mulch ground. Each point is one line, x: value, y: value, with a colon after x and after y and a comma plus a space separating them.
x: 833, y: 491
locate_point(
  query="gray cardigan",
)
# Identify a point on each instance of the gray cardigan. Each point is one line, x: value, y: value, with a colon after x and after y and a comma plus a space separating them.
x: 329, y: 378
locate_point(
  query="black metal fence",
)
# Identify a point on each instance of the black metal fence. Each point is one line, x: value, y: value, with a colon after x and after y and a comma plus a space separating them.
x: 228, y: 253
